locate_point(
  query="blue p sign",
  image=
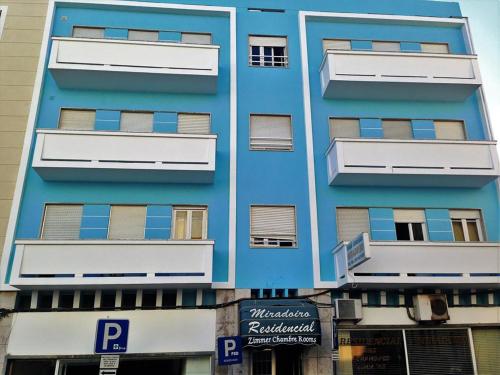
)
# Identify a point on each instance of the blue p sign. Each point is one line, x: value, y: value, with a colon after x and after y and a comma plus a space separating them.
x: 112, y: 336
x: 230, y: 350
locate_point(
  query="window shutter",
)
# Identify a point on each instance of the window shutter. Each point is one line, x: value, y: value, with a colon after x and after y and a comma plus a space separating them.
x: 62, y: 222
x: 136, y: 121
x: 409, y: 216
x: 127, y: 223
x: 77, y: 119
x: 439, y: 224
x: 270, y: 132
x: 267, y: 41
x: 351, y: 222
x: 196, y: 38
x: 344, y: 128
x: 452, y: 130
x: 158, y: 222
x: 434, y: 47
x: 382, y: 226
x: 95, y: 221
x: 338, y: 44
x: 193, y: 123
x: 386, y: 46
x: 397, y: 129
x: 273, y: 221
x: 465, y: 214
x: 486, y: 349
x: 88, y: 32
x: 143, y: 35
x: 370, y: 128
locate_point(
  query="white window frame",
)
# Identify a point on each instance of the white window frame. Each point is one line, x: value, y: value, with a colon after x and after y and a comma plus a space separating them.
x: 3, y: 16
x: 410, y: 228
x: 465, y: 229
x: 262, y: 62
x: 189, y: 222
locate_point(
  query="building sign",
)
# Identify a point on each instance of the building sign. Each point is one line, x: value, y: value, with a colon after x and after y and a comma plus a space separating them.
x: 229, y: 350
x: 357, y: 252
x: 111, y: 336
x: 279, y: 322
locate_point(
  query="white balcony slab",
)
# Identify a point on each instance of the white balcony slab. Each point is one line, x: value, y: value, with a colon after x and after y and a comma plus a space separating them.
x: 107, y: 64
x: 124, y: 156
x: 406, y: 263
x: 398, y: 76
x: 388, y: 162
x: 43, y: 263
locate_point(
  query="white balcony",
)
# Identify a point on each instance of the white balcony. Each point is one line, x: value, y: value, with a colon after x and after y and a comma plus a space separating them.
x: 134, y: 66
x: 398, y: 76
x: 44, y: 263
x: 403, y: 263
x: 125, y: 157
x: 390, y: 162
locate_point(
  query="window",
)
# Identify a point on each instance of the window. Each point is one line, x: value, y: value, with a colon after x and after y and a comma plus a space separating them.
x: 3, y: 15
x: 193, y: 123
x: 410, y: 225
x: 336, y: 44
x: 268, y: 51
x: 452, y: 130
x: 76, y: 119
x: 397, y: 129
x: 196, y: 38
x: 190, y: 223
x: 344, y: 128
x: 271, y: 132
x: 386, y: 46
x: 66, y: 298
x: 136, y: 122
x: 466, y: 225
x: 351, y: 222
x: 127, y: 223
x: 88, y: 32
x: 143, y: 35
x: 434, y: 47
x: 277, y: 361
x: 262, y: 362
x: 272, y: 226
x: 62, y: 222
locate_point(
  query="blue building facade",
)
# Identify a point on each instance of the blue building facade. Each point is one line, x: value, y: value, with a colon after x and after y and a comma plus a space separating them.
x: 183, y: 155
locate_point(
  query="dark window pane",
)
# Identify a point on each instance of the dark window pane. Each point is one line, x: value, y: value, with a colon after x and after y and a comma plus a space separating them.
x: 268, y: 56
x: 255, y: 55
x: 23, y: 301
x: 44, y: 300
x: 254, y: 293
x: 128, y: 299
x: 402, y: 232
x: 418, y: 232
x: 262, y: 362
x: 280, y: 293
x: 292, y: 292
x: 87, y: 298
x: 169, y: 298
x: 66, y: 299
x: 149, y: 298
x: 266, y: 293
x: 279, y: 56
x: 31, y: 367
x: 108, y: 298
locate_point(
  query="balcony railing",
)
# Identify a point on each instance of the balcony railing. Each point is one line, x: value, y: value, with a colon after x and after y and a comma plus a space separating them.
x: 107, y: 64
x: 393, y: 162
x: 124, y: 156
x: 399, y: 76
x: 40, y: 263
x: 402, y: 263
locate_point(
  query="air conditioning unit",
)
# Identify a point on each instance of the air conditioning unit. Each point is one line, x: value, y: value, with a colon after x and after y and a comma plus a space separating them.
x: 430, y: 307
x: 348, y: 309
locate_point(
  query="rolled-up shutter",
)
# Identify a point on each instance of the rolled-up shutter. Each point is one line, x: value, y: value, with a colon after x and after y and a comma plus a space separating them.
x: 397, y: 129
x: 88, y: 32
x: 409, y: 216
x: 270, y: 132
x: 452, y: 130
x: 62, y: 222
x: 193, y: 123
x: 344, y: 128
x: 336, y: 44
x: 486, y: 341
x: 77, y: 119
x: 351, y: 222
x: 273, y: 222
x: 136, y: 121
x: 465, y: 214
x: 386, y: 46
x: 196, y: 38
x: 434, y: 47
x: 267, y: 41
x: 127, y: 223
x: 143, y: 35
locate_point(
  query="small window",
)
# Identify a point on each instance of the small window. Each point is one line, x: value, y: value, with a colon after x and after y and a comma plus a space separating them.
x: 397, y: 129
x: 271, y: 132
x: 193, y: 123
x: 66, y: 298
x: 87, y: 299
x: 434, y: 48
x: 88, y: 32
x: 127, y: 223
x: 169, y: 298
x: 467, y: 226
x: 273, y: 226
x: 451, y: 130
x: 336, y: 44
x: 268, y: 51
x: 143, y: 35
x: 410, y: 225
x: 190, y: 223
x: 3, y: 15
x: 196, y: 38
x: 77, y: 119
x: 149, y: 298
x: 351, y: 222
x: 44, y: 300
x: 386, y: 46
x: 344, y: 128
x: 62, y: 222
x: 108, y: 299
x: 129, y: 298
x: 136, y: 122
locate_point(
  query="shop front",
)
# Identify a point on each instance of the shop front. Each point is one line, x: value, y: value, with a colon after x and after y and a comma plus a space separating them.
x: 170, y: 342
x: 276, y: 332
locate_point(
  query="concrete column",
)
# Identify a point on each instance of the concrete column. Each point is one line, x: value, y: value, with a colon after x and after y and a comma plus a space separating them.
x: 7, y: 301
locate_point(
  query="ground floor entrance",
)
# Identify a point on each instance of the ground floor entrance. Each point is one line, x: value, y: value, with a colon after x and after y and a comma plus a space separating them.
x: 277, y: 361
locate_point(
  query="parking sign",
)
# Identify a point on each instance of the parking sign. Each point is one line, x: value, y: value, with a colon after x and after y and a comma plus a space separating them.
x: 111, y: 336
x: 230, y: 350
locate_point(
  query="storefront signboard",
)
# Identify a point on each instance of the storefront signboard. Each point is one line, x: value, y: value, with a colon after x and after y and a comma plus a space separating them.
x: 275, y: 322
x: 357, y: 252
x: 229, y: 350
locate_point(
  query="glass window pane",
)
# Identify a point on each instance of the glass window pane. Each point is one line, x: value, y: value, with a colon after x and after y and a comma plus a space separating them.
x: 262, y: 362
x: 180, y: 225
x: 268, y: 56
x: 418, y: 232
x: 472, y: 230
x: 458, y: 230
x: 402, y: 232
x: 255, y: 55
x: 197, y: 225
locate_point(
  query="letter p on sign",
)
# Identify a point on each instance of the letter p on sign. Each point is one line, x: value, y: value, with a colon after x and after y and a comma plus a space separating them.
x: 111, y: 336
x: 229, y: 350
